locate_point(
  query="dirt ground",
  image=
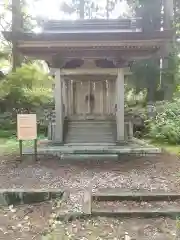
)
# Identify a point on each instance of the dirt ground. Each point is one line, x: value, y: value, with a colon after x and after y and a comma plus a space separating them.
x: 150, y: 173
x: 116, y: 228
x: 25, y: 222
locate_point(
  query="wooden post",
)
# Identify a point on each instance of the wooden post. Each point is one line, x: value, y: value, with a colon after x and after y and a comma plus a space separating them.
x: 20, y: 150
x: 107, y: 9
x: 81, y: 8
x: 58, y: 107
x: 87, y: 202
x: 89, y: 93
x: 65, y: 97
x: 72, y: 97
x: 120, y: 105
x: 35, y: 149
x: 101, y: 98
x: 130, y: 129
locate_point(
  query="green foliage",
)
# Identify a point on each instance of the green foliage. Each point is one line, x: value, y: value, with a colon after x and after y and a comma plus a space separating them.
x: 146, y: 75
x: 28, y: 87
x: 133, y: 99
x: 87, y: 8
x: 166, y: 126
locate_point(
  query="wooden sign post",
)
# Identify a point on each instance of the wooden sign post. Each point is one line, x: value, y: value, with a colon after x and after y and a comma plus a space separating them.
x: 27, y: 130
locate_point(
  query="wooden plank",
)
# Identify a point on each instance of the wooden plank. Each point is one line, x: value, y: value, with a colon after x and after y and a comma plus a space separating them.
x: 134, y: 196
x: 94, y: 71
x: 145, y: 213
x: 30, y: 190
x: 87, y: 203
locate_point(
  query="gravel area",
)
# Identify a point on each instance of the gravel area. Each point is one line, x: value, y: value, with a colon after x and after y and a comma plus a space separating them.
x: 30, y: 222
x: 116, y: 229
x: 149, y: 173
x: 26, y: 222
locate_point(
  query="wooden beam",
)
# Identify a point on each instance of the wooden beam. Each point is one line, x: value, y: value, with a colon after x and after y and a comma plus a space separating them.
x: 92, y: 54
x: 120, y: 43
x: 80, y: 78
x: 94, y: 71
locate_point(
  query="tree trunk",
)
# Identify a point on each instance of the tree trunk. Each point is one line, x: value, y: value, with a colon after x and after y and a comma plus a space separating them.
x: 107, y: 9
x: 167, y: 24
x: 168, y: 13
x: 16, y: 28
x: 81, y: 8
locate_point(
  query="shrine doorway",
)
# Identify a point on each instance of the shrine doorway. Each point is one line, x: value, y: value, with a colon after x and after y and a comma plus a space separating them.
x: 92, y: 99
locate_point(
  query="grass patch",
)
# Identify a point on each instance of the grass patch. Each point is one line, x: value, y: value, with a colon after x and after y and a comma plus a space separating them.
x: 174, y: 149
x: 9, y: 143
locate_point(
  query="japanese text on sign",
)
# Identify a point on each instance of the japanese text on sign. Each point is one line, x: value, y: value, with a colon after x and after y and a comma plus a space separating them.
x: 26, y: 127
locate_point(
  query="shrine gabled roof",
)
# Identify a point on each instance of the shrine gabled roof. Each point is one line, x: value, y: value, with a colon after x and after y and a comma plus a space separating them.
x: 91, y: 25
x: 91, y: 36
x: 92, y: 30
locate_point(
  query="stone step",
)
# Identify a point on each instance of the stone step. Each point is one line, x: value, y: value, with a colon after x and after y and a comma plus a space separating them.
x: 145, y: 213
x: 88, y: 137
x: 69, y: 140
x: 92, y: 125
x: 90, y: 133
x: 94, y: 131
x: 90, y: 157
x: 105, y: 144
x: 83, y: 139
x: 29, y: 196
x: 91, y: 121
x: 86, y: 142
x: 87, y: 134
x: 119, y: 194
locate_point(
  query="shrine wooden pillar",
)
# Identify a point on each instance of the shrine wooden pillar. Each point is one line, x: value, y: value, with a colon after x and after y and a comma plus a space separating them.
x: 58, y: 107
x: 120, y: 105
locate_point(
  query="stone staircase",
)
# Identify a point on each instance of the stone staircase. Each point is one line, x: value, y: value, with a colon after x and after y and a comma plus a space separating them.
x: 91, y: 131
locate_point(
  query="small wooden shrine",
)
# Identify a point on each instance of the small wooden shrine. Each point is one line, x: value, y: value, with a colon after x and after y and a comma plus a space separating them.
x: 90, y: 60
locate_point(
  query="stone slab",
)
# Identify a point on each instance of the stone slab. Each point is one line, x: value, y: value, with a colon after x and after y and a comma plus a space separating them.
x: 133, y: 149
x: 67, y: 157
x: 15, y: 197
x: 134, y: 213
x: 117, y: 194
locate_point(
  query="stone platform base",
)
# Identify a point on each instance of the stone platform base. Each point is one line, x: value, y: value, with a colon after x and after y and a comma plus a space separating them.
x: 103, y: 150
